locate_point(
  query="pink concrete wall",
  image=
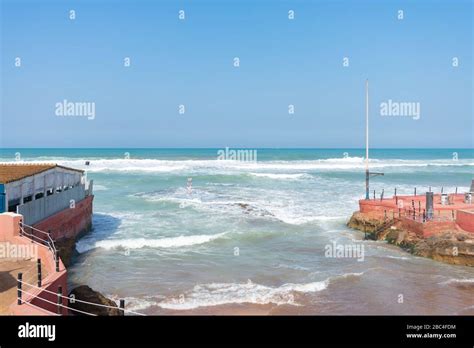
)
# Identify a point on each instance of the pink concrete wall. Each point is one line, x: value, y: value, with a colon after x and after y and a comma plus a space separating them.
x: 465, y: 220
x: 377, y: 207
x: 70, y: 222
x: 10, y: 232
x: 9, y: 226
x: 429, y: 228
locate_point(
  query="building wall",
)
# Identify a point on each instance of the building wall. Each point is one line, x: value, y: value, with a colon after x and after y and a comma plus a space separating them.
x: 70, y: 222
x: 37, y: 210
x: 465, y: 220
x: 429, y: 228
x: 53, y: 178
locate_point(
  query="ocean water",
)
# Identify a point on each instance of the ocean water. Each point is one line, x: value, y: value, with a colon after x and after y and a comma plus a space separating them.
x: 176, y: 231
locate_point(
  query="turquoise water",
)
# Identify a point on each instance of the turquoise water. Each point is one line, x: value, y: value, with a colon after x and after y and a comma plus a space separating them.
x: 178, y: 231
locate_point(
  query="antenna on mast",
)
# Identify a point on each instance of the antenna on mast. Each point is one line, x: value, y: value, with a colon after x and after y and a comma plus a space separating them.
x: 367, y: 172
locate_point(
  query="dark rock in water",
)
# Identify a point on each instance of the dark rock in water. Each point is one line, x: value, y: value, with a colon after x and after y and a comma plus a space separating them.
x: 243, y: 205
x: 85, y: 293
x: 248, y: 209
x: 66, y: 248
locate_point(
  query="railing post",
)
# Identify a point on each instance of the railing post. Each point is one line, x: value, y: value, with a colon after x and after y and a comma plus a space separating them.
x: 19, y: 284
x: 381, y: 196
x: 60, y: 299
x: 424, y: 215
x: 39, y: 273
x: 57, y: 261
x: 456, y: 190
x: 374, y: 195
x: 415, y: 191
x: 122, y: 305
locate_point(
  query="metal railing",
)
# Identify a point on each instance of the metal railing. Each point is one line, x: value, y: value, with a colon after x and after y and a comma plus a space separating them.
x: 422, y: 216
x: 45, y: 240
x: 60, y: 300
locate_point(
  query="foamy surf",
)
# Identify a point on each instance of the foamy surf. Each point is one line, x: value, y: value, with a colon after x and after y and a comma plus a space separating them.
x: 215, y: 294
x: 458, y: 281
x: 281, y: 176
x: 224, y: 166
x: 270, y: 204
x: 138, y: 243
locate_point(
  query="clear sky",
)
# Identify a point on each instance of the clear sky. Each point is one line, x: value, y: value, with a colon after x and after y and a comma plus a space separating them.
x: 190, y: 62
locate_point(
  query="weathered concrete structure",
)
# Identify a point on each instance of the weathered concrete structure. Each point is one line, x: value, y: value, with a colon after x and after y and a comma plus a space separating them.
x: 442, y: 228
x: 38, y: 191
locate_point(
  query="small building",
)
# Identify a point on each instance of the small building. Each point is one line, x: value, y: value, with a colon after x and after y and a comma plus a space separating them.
x: 38, y: 191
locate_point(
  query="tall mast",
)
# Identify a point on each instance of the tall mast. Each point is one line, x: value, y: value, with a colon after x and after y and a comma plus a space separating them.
x: 367, y: 139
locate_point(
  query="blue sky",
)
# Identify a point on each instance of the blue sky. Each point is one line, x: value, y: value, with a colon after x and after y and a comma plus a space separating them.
x: 190, y: 62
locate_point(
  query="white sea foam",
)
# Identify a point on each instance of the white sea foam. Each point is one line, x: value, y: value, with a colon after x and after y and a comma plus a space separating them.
x: 294, y: 215
x: 215, y: 294
x: 459, y: 281
x: 397, y: 257
x: 281, y: 176
x: 138, y: 243
x: 100, y: 188
x: 222, y: 167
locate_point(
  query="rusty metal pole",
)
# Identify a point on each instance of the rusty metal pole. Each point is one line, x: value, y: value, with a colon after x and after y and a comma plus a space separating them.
x: 60, y: 299
x: 19, y: 290
x: 39, y: 273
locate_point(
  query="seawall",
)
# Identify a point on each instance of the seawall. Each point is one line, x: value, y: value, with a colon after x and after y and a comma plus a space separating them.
x: 68, y: 225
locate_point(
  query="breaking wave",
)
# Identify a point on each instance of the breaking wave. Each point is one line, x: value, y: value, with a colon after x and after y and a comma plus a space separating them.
x: 215, y: 294
x: 223, y: 166
x: 138, y: 243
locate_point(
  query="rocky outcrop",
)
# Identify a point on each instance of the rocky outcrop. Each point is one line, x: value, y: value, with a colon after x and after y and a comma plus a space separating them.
x: 451, y: 246
x: 85, y: 293
x: 364, y: 223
